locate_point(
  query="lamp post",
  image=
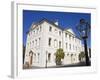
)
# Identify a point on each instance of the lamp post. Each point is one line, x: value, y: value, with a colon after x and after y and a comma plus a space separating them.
x: 84, y: 29
x: 46, y: 60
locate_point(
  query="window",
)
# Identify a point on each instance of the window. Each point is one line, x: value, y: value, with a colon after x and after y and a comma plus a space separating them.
x: 69, y: 46
x: 39, y: 41
x: 49, y: 57
x: 66, y: 45
x: 71, y: 55
x: 38, y: 57
x: 35, y: 42
x: 55, y: 43
x: 50, y: 28
x: 59, y: 44
x: 34, y: 31
x: 59, y: 33
x: 49, y: 42
x: 34, y: 57
x: 56, y: 30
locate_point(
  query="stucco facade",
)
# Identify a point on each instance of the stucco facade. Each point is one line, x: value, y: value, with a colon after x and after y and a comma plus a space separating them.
x: 44, y: 38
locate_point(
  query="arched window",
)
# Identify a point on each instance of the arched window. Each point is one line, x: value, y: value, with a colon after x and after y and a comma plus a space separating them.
x: 49, y: 43
x: 50, y: 28
x: 31, y: 57
x: 30, y: 53
x: 35, y: 42
x: 59, y: 33
x: 55, y: 30
x: 34, y: 32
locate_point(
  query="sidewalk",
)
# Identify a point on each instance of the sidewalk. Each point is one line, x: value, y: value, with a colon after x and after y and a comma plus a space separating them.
x: 61, y: 66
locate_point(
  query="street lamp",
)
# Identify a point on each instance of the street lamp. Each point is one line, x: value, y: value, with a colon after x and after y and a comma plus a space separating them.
x: 84, y: 29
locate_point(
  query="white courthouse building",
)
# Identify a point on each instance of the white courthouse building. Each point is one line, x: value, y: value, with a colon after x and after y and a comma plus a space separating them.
x: 43, y: 40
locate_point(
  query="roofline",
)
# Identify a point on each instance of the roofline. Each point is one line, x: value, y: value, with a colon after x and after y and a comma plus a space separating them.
x: 74, y: 35
x: 50, y: 22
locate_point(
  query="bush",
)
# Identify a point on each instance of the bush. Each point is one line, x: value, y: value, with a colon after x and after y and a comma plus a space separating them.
x: 59, y: 55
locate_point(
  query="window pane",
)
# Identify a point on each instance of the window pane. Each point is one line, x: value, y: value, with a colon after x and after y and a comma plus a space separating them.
x: 49, y: 42
x: 50, y: 28
x: 60, y: 33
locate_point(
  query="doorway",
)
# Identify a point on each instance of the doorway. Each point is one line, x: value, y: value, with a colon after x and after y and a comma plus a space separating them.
x: 30, y: 57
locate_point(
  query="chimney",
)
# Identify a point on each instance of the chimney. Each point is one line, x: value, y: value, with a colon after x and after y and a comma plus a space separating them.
x: 56, y: 22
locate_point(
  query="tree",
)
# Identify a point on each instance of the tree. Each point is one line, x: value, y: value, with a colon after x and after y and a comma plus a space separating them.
x: 81, y: 56
x: 59, y: 55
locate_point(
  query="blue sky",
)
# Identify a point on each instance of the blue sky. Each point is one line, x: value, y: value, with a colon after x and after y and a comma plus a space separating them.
x: 65, y: 19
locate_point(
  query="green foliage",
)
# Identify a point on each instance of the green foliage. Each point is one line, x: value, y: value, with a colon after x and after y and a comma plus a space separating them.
x: 81, y: 56
x: 59, y: 55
